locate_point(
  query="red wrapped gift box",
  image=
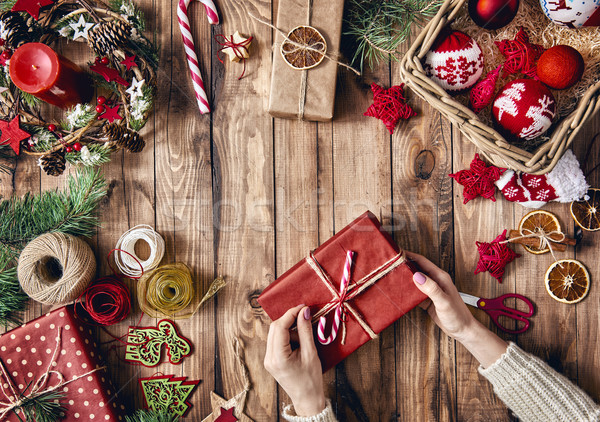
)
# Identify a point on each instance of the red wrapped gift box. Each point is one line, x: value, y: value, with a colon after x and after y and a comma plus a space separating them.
x: 379, y: 305
x: 32, y: 350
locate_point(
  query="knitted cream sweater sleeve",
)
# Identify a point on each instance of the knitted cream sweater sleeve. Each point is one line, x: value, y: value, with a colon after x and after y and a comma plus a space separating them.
x: 536, y: 392
x: 326, y: 415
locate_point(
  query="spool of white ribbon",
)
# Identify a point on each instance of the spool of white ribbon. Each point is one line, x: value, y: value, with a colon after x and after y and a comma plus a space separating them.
x: 125, y: 256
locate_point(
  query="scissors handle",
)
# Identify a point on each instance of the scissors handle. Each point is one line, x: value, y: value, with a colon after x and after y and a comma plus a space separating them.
x: 495, y: 315
x: 497, y: 304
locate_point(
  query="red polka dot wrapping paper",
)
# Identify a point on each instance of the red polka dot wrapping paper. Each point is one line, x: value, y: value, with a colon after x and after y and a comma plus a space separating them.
x: 27, y: 351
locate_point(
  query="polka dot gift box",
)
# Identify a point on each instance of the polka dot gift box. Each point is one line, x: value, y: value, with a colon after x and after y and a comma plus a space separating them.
x: 56, y: 351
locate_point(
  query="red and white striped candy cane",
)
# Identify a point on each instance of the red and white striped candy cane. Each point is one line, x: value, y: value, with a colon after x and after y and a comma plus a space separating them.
x: 188, y: 43
x: 337, y: 317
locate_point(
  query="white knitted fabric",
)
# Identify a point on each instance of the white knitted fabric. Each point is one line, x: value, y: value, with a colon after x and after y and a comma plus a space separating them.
x: 568, y: 179
x: 326, y: 415
x: 537, y: 393
x: 457, y: 69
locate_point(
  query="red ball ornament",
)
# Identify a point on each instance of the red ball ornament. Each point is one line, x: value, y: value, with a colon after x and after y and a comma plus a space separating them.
x: 101, y: 100
x: 100, y: 109
x: 52, y: 127
x: 493, y: 14
x: 560, y: 67
x: 524, y: 108
x: 69, y: 148
x: 77, y: 146
x: 455, y: 61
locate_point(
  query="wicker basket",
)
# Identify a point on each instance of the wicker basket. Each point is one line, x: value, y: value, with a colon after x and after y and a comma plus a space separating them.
x: 492, y: 145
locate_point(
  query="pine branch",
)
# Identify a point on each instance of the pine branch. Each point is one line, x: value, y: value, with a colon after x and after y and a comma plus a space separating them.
x: 150, y: 416
x: 12, y: 298
x: 46, y: 407
x: 72, y: 211
x: 380, y: 27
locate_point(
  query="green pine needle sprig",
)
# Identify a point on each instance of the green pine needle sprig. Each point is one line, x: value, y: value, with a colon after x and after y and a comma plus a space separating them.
x: 98, y: 154
x: 129, y: 9
x: 72, y: 211
x: 12, y: 298
x: 380, y: 27
x: 46, y: 407
x: 6, y: 5
x: 151, y: 416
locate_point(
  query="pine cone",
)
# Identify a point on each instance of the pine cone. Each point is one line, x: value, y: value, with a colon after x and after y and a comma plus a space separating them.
x: 14, y: 29
x: 105, y: 37
x: 54, y: 163
x: 124, y: 138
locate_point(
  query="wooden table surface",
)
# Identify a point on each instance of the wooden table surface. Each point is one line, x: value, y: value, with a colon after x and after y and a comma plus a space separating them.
x: 239, y: 194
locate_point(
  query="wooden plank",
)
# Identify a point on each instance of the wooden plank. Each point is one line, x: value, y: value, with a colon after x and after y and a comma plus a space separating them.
x: 478, y: 220
x: 587, y: 356
x: 423, y: 223
x: 243, y: 207
x: 362, y: 181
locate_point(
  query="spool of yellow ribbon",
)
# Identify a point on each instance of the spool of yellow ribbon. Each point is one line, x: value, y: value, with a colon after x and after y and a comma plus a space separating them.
x: 169, y: 290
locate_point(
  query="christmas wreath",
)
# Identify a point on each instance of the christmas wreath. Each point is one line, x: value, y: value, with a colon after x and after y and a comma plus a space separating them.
x: 123, y: 75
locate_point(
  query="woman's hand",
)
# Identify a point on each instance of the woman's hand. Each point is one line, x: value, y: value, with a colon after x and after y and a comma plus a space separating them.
x: 447, y: 309
x: 297, y: 371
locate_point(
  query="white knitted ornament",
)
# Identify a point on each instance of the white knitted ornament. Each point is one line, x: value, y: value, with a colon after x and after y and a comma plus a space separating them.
x: 572, y: 13
x: 525, y: 108
x: 455, y: 61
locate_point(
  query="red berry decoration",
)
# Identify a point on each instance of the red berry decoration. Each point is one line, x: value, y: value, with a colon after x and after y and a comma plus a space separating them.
x: 6, y: 54
x: 100, y: 109
x: 69, y: 148
x: 455, y: 61
x: 524, y: 108
x: 52, y: 127
x: 560, y: 67
x: 2, y: 42
x: 493, y: 14
x: 101, y: 100
x: 104, y: 60
x: 77, y: 146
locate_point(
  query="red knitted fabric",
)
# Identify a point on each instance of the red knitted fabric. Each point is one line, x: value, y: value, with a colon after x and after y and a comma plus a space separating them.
x: 521, y: 55
x: 389, y: 105
x: 478, y: 180
x: 482, y: 94
x: 494, y: 256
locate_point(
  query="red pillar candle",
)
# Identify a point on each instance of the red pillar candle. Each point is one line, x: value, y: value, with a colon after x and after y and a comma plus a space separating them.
x: 37, y: 69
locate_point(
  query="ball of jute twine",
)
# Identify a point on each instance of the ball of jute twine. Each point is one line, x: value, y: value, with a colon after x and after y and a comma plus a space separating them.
x: 55, y: 268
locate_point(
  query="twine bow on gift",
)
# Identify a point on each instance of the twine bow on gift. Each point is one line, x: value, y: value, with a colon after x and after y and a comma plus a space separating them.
x: 16, y: 399
x: 546, y: 239
x: 347, y: 292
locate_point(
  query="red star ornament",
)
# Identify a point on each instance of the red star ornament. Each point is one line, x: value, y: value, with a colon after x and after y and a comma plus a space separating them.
x: 111, y: 113
x: 521, y: 55
x: 129, y: 62
x: 108, y: 73
x: 31, y: 6
x: 389, y: 105
x: 494, y: 256
x: 478, y: 180
x: 12, y: 134
x: 226, y: 416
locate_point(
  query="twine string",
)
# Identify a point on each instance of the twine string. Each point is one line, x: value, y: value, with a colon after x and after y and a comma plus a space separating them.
x: 126, y: 259
x: 544, y: 237
x: 237, y: 49
x: 16, y: 399
x: 238, y: 402
x: 358, y: 287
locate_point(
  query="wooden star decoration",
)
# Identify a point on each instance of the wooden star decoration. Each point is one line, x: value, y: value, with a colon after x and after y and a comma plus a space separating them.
x: 226, y: 416
x: 81, y: 28
x: 236, y: 47
x: 31, y: 6
x: 12, y: 134
x: 129, y: 62
x: 521, y: 55
x: 389, y: 105
x: 108, y: 73
x: 111, y: 113
x: 218, y: 404
x: 494, y: 256
x: 479, y: 180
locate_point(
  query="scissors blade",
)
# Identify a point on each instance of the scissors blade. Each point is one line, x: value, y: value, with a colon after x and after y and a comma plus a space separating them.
x: 469, y: 299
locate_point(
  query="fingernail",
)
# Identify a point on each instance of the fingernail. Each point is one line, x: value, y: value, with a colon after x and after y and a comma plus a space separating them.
x: 307, y: 314
x: 419, y: 277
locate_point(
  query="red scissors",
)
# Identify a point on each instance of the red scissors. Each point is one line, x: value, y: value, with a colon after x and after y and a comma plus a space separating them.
x: 496, y: 308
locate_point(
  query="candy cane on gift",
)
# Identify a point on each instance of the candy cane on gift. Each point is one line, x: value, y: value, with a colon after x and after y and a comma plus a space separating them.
x: 337, y: 317
x: 188, y: 43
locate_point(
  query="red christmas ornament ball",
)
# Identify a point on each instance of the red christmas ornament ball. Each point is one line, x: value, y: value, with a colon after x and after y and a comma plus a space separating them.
x: 455, y: 61
x: 493, y: 14
x: 560, y: 67
x: 524, y: 108
x: 77, y: 146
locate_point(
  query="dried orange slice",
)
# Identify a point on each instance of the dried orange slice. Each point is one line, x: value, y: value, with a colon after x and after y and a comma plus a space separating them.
x: 307, y: 48
x: 539, y: 221
x: 586, y: 213
x: 567, y: 281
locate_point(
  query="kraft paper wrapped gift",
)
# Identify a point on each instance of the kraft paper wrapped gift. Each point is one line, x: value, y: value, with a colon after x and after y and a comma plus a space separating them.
x: 378, y: 305
x: 314, y: 101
